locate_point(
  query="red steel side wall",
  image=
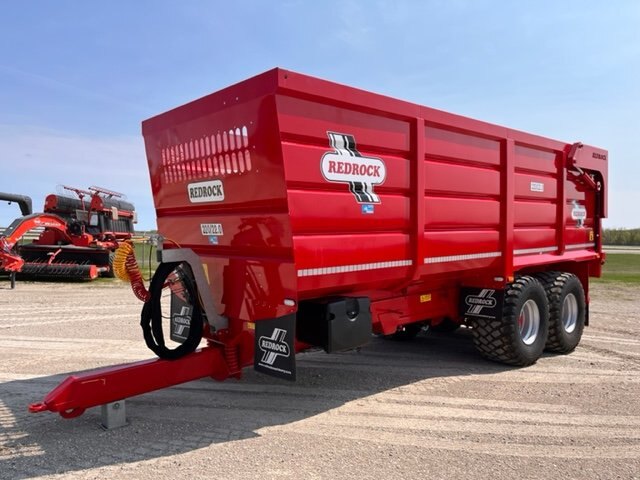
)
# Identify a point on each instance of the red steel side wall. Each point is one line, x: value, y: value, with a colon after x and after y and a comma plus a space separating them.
x: 485, y: 200
x: 462, y: 202
x: 230, y: 136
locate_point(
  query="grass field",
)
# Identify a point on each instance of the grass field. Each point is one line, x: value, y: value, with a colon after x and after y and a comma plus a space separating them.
x: 147, y: 260
x: 621, y: 267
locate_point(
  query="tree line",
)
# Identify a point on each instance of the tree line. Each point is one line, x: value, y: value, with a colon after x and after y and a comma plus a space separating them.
x: 621, y: 236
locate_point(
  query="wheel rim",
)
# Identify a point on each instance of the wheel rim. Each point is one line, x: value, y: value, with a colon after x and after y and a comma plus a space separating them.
x: 529, y: 322
x: 569, y: 313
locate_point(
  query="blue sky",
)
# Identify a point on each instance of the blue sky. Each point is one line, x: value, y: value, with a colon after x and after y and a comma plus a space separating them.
x: 77, y: 78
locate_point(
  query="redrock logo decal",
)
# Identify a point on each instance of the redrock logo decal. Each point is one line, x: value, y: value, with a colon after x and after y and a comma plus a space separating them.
x: 274, y: 346
x: 181, y: 322
x: 346, y: 165
x: 477, y: 302
x: 203, y: 192
x: 481, y: 302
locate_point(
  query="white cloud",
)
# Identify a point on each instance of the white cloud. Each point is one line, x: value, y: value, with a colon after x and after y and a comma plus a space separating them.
x: 56, y: 85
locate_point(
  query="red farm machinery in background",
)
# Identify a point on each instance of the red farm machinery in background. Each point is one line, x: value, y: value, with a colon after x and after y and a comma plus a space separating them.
x: 77, y: 238
x: 298, y: 212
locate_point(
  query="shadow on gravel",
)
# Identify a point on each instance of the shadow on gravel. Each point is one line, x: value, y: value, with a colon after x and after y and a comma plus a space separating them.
x: 202, y: 413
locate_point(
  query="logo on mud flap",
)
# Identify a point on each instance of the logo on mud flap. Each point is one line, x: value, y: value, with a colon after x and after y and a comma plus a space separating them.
x: 346, y: 165
x: 477, y: 303
x: 203, y: 192
x: 481, y: 303
x: 180, y: 323
x: 274, y: 346
x: 274, y: 350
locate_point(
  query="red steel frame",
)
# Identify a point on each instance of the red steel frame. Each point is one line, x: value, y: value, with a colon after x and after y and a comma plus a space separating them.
x: 464, y: 202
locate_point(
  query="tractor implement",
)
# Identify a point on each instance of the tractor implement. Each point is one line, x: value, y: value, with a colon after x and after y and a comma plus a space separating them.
x: 58, y: 270
x: 78, y: 236
x: 23, y: 201
x: 26, y: 208
x: 298, y: 213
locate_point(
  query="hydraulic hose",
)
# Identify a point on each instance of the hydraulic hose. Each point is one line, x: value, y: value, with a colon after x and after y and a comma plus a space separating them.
x: 151, y: 317
x: 126, y: 269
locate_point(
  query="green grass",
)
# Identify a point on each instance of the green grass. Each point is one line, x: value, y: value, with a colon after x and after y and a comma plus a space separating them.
x: 621, y: 267
x: 142, y: 251
x: 142, y: 255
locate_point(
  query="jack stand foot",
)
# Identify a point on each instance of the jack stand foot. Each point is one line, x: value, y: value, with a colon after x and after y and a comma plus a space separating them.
x: 113, y: 415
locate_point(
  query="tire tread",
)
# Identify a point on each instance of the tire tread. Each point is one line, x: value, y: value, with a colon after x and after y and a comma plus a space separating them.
x: 554, y: 283
x: 496, y: 340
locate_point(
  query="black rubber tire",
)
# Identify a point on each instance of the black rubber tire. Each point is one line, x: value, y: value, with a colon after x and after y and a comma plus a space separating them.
x: 111, y: 273
x: 499, y: 340
x: 446, y: 326
x: 409, y: 332
x: 558, y: 285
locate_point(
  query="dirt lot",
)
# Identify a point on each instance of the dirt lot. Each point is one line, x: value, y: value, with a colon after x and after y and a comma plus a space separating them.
x: 425, y: 409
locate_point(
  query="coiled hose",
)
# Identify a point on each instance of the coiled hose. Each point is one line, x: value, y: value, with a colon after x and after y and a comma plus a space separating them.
x: 125, y: 266
x: 151, y: 318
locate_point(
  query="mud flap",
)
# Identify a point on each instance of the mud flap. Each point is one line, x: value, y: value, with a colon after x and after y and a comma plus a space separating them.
x: 180, y: 320
x: 274, y: 349
x: 481, y: 303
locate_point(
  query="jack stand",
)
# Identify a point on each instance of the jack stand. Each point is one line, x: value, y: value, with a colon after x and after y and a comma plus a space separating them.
x: 113, y: 415
x: 12, y: 278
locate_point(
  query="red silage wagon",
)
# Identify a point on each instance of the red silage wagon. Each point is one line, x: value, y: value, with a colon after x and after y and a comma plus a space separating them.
x: 298, y: 212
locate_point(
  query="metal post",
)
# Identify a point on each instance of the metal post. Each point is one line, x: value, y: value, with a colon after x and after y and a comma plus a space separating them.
x: 113, y: 415
x: 12, y: 278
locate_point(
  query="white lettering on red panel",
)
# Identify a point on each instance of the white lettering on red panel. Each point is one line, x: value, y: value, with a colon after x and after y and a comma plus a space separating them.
x: 537, y: 187
x: 346, y: 165
x: 203, y: 192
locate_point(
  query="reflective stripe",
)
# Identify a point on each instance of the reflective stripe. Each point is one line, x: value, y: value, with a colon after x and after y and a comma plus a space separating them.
x: 577, y: 246
x: 429, y: 260
x: 309, y: 272
x: 526, y: 251
x: 459, y: 258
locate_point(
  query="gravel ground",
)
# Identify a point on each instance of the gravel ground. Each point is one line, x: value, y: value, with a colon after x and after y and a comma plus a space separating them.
x: 430, y: 408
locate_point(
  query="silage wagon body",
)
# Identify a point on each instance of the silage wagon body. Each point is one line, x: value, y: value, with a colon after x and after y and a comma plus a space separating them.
x: 312, y: 213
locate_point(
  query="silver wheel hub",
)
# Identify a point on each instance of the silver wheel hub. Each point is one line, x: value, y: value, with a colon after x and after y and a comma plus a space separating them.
x: 569, y: 313
x: 529, y: 322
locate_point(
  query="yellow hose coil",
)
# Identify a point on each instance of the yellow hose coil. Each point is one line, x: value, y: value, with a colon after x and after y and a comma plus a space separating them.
x: 120, y: 260
x: 126, y: 268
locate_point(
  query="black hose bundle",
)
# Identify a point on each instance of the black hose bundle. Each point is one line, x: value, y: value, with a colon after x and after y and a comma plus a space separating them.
x: 151, y: 318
